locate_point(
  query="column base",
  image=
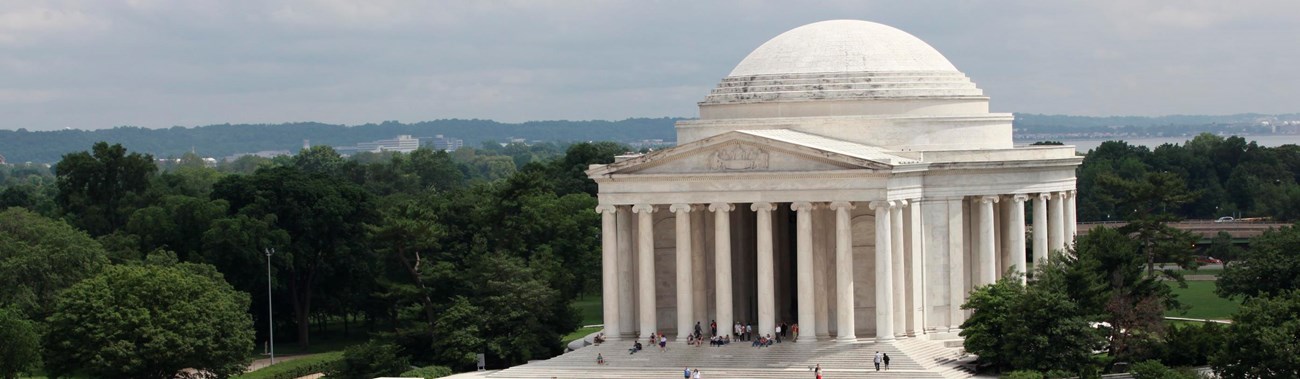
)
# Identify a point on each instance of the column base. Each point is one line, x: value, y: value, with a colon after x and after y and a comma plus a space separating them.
x: 805, y: 340
x: 884, y: 339
x: 845, y: 339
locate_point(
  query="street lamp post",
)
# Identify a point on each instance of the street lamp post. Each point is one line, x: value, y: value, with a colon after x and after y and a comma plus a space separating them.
x: 270, y: 324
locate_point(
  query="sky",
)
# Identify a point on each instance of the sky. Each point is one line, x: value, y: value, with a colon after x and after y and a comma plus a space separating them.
x: 164, y: 63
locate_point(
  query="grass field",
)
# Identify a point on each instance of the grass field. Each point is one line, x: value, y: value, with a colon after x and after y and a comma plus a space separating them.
x: 1203, y: 303
x: 589, y: 308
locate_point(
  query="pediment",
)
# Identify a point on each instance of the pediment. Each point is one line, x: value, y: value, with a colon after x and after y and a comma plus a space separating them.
x: 737, y: 152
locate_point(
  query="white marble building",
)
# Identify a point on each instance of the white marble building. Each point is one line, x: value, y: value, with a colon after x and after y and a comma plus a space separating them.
x: 845, y: 177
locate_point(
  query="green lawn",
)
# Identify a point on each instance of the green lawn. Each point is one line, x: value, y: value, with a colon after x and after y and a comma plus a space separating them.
x: 589, y: 308
x: 1203, y: 303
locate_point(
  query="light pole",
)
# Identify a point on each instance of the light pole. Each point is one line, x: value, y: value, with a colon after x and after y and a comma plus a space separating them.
x: 270, y: 325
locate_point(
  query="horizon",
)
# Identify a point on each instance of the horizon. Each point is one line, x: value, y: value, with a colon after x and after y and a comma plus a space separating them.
x: 96, y: 65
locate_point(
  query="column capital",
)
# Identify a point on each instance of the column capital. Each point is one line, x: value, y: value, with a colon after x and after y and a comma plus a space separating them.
x: 606, y: 208
x: 989, y: 199
x: 837, y: 205
x: 899, y: 204
x: 723, y: 207
x: 1045, y: 195
x: 1019, y: 197
x: 680, y: 208
x: 762, y: 207
x: 643, y: 208
x: 1062, y: 195
x: 801, y: 206
x: 879, y: 204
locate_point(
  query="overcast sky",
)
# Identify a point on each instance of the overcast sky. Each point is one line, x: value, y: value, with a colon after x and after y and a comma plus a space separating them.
x: 160, y: 63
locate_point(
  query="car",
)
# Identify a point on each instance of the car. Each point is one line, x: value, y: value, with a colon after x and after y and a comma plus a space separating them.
x: 1208, y: 260
x: 1225, y: 219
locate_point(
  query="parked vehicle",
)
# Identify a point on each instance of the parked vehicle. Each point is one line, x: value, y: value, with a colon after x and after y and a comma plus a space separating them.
x: 1208, y: 260
x: 1225, y: 219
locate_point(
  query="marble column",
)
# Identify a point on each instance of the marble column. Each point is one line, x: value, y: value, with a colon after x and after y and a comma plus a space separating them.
x: 722, y: 264
x: 645, y: 252
x: 898, y: 262
x: 916, y: 265
x: 956, y: 264
x: 1017, y: 234
x: 1071, y: 218
x: 766, y: 279
x: 843, y: 272
x: 699, y: 276
x: 626, y: 273
x: 1056, y: 222
x: 987, y: 267
x: 1041, y: 253
x: 609, y: 269
x: 884, y: 254
x: 685, y: 281
x: 804, y: 278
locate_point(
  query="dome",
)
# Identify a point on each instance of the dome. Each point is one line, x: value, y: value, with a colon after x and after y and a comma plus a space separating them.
x: 842, y: 46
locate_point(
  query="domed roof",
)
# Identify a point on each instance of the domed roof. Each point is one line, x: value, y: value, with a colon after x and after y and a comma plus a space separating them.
x: 842, y: 46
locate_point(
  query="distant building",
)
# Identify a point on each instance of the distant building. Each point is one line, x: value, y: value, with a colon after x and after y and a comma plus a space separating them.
x: 403, y: 144
x: 439, y: 142
x: 2, y: 159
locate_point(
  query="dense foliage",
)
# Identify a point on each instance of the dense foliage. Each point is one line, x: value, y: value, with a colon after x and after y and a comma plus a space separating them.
x: 1270, y: 267
x: 150, y: 321
x: 1263, y: 340
x: 21, y: 349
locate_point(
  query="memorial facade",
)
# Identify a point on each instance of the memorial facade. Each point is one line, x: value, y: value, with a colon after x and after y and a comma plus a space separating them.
x: 845, y: 177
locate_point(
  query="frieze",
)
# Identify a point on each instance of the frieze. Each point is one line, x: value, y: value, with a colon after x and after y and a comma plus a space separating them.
x: 738, y: 157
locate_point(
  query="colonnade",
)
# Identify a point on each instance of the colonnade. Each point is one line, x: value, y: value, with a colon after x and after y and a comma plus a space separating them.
x: 996, y: 227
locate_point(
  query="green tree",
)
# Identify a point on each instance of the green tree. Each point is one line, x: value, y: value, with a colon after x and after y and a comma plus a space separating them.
x: 371, y: 360
x: 1014, y: 327
x: 1270, y: 267
x: 1263, y: 340
x: 97, y: 188
x: 21, y: 350
x: 322, y: 215
x: 40, y: 257
x: 1154, y: 200
x: 115, y: 324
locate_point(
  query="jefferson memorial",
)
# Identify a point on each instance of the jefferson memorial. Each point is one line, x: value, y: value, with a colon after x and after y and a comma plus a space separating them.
x: 846, y: 177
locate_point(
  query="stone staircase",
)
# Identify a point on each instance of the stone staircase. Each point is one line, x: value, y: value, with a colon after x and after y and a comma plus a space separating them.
x: 946, y: 358
x: 740, y: 360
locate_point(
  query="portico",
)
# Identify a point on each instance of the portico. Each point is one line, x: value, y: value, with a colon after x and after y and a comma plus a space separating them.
x: 844, y: 177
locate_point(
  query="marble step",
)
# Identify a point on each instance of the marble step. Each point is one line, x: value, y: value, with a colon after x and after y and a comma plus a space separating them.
x: 842, y: 86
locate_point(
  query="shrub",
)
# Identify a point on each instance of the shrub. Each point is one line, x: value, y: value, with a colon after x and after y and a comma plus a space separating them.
x: 428, y: 372
x: 1155, y: 370
x: 1024, y: 374
x: 370, y: 360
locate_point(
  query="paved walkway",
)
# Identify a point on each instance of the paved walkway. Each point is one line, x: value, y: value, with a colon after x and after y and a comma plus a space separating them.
x: 259, y: 364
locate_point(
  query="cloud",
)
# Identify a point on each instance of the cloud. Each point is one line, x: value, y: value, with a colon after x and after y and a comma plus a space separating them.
x: 159, y: 63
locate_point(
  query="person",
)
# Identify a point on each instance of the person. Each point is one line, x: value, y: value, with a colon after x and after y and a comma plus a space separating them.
x: 599, y: 339
x: 885, y: 357
x: 697, y: 373
x: 795, y: 329
x: 600, y: 359
x: 778, y: 331
x: 713, y: 328
x: 749, y: 331
x: 877, y: 361
x: 818, y: 371
x: 686, y: 373
x: 663, y: 343
x: 636, y: 346
x: 697, y: 329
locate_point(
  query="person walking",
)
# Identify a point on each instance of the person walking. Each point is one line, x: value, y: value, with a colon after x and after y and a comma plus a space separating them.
x: 795, y: 329
x: 886, y: 359
x: 697, y: 329
x: 749, y: 331
x: 686, y: 373
x: 878, y: 360
x: 697, y: 373
x: 663, y: 343
x: 818, y: 371
x: 713, y: 328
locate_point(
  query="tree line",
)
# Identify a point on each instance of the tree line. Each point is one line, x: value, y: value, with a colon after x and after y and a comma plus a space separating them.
x: 124, y: 268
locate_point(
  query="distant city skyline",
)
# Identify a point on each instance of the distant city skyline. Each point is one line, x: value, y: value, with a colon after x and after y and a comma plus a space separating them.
x: 157, y: 64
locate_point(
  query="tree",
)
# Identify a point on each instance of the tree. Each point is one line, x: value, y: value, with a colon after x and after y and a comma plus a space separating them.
x: 114, y: 325
x: 371, y: 360
x: 1014, y: 327
x: 1153, y: 200
x: 96, y: 188
x: 21, y: 350
x: 322, y: 215
x: 40, y: 257
x: 1270, y: 267
x: 1263, y: 340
